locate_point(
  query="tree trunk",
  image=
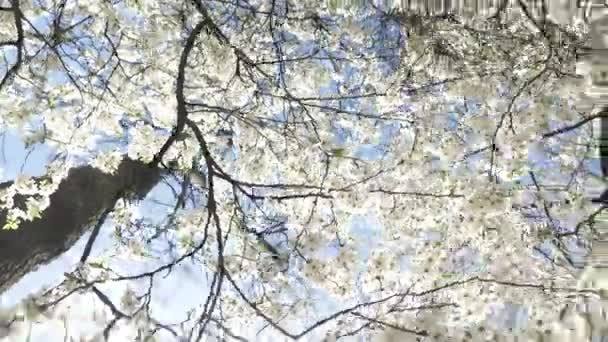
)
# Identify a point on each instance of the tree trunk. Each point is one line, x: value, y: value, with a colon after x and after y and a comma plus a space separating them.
x: 84, y: 194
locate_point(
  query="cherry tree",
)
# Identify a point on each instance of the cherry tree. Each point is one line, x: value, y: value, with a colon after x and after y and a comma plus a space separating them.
x: 415, y: 173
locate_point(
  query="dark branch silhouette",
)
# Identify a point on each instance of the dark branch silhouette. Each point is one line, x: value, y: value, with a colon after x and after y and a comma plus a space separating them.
x: 604, y: 141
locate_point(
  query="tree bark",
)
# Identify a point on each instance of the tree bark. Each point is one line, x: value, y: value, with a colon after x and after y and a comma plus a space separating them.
x: 81, y: 196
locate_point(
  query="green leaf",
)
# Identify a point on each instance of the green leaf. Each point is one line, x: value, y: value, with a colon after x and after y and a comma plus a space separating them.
x: 11, y: 224
x: 332, y: 5
x: 96, y: 265
x: 447, y: 275
x: 338, y: 152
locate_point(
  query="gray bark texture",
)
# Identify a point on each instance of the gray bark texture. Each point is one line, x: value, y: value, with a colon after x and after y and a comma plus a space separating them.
x: 82, y: 195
